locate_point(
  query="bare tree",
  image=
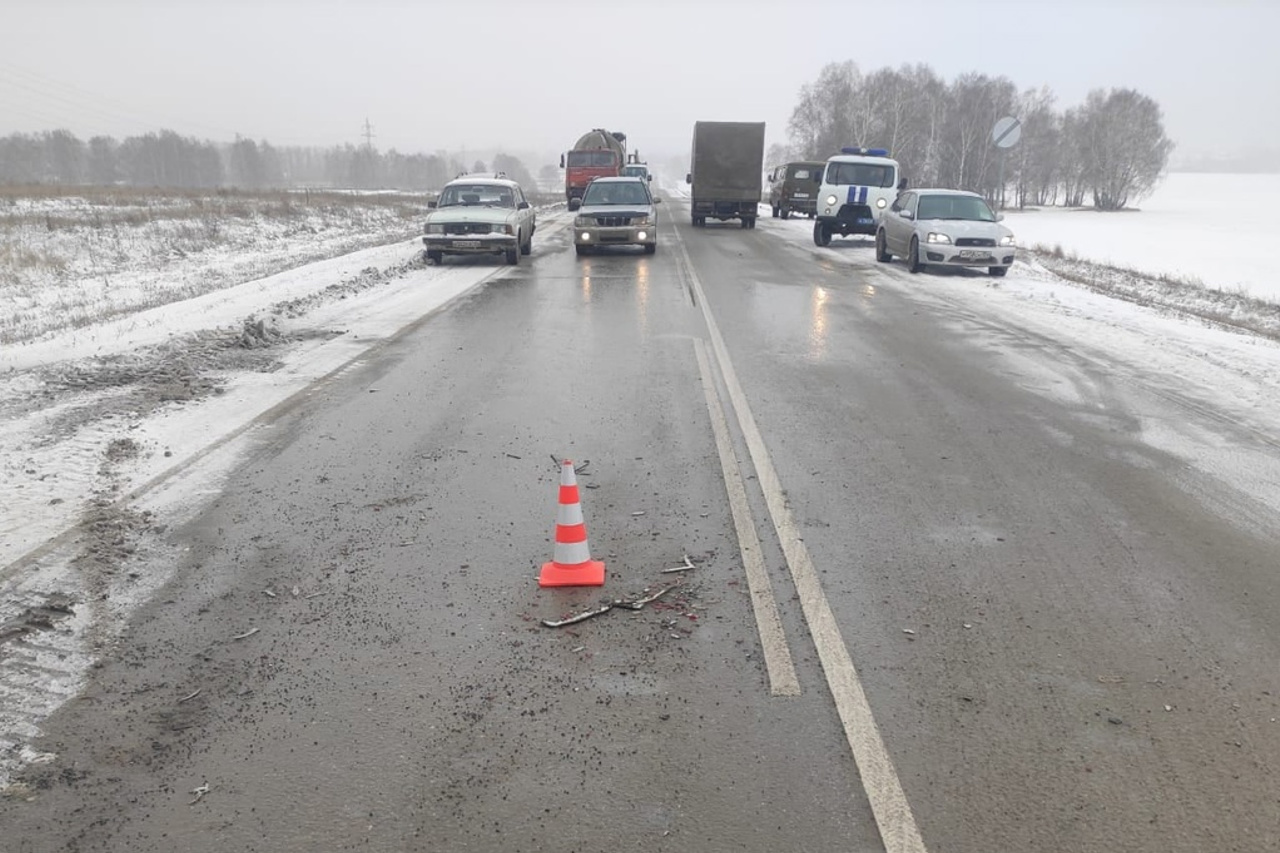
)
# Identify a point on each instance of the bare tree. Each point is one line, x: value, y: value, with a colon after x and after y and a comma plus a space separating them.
x: 1127, y: 146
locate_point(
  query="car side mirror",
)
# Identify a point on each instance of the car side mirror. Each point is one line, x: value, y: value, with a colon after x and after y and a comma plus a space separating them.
x: 648, y: 178
x: 657, y: 201
x: 575, y: 203
x: 688, y: 179
x: 906, y: 214
x: 431, y: 205
x: 524, y: 205
x: 561, y: 161
x: 999, y: 217
x: 902, y: 184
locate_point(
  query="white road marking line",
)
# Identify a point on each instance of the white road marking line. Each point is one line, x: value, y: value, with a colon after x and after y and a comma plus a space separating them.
x: 897, y: 824
x: 773, y: 641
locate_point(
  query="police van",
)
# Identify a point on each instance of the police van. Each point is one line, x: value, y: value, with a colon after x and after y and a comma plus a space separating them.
x: 858, y: 185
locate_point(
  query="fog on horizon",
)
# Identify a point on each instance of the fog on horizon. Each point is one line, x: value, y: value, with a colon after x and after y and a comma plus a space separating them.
x: 529, y: 78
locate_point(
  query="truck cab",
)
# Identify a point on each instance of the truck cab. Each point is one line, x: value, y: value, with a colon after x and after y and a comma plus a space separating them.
x: 858, y: 185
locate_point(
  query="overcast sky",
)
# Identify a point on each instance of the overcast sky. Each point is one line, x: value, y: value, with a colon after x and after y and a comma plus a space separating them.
x: 531, y: 75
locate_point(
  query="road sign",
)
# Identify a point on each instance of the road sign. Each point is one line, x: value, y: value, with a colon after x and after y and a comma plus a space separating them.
x: 1007, y: 132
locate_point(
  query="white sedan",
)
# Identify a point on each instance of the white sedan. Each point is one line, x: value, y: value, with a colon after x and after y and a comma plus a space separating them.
x: 480, y: 215
x: 949, y: 228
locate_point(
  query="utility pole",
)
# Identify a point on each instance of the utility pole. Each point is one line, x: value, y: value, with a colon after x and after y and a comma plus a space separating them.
x: 368, y: 134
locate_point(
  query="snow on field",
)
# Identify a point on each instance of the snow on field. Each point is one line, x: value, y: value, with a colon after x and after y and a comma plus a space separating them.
x: 1212, y: 229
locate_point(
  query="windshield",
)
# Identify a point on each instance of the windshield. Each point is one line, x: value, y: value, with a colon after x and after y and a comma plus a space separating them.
x: 616, y: 192
x: 601, y: 158
x: 491, y: 195
x: 635, y: 171
x: 861, y: 174
x: 954, y: 207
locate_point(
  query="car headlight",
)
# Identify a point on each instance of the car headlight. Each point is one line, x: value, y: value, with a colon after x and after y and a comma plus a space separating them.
x: 640, y: 221
x: 582, y: 221
x: 831, y: 199
x: 880, y: 203
x: 504, y: 229
x: 1007, y: 241
x: 433, y: 228
x: 935, y: 237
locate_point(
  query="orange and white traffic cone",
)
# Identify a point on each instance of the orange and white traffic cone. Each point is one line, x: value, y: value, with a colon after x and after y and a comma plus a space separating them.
x: 571, y: 563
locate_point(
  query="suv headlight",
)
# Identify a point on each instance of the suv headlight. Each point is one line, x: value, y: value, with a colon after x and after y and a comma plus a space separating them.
x: 640, y: 221
x: 1007, y: 241
x: 935, y: 237
x: 433, y: 228
x: 582, y: 221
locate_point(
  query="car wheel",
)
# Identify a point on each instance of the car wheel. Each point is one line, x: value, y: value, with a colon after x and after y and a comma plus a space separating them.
x: 527, y: 248
x: 913, y: 256
x: 812, y: 215
x: 821, y: 234
x: 998, y: 272
x: 435, y: 257
x: 513, y: 256
x: 650, y: 248
x: 882, y: 252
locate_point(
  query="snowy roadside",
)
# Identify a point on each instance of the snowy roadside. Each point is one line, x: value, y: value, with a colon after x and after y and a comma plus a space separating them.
x: 110, y: 430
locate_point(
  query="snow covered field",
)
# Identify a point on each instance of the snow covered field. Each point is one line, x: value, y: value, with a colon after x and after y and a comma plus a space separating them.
x: 1211, y: 229
x: 126, y: 398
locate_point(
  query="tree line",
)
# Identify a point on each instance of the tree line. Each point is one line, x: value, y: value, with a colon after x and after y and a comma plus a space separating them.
x: 1107, y: 152
x: 167, y: 159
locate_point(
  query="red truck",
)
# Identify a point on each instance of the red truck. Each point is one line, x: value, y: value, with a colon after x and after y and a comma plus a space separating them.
x: 598, y: 153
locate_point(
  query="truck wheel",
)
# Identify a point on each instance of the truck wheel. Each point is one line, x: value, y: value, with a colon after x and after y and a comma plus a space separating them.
x: 821, y: 234
x: 882, y: 252
x: 786, y: 213
x: 699, y: 222
x: 775, y: 211
x: 527, y: 248
x: 746, y: 223
x: 513, y: 256
x: 913, y: 256
x: 434, y: 257
x: 751, y: 223
x: 580, y: 250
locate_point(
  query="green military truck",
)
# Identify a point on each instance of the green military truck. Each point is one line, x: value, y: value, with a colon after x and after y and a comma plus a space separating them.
x: 727, y: 167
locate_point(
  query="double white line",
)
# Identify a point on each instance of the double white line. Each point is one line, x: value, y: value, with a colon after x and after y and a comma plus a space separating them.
x: 897, y: 824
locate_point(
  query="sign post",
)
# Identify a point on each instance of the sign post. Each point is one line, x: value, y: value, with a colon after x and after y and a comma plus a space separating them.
x: 1005, y: 135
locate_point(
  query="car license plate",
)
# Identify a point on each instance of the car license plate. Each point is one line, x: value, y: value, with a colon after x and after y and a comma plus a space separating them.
x: 972, y: 254
x: 864, y: 220
x: 466, y: 244
x: 799, y: 195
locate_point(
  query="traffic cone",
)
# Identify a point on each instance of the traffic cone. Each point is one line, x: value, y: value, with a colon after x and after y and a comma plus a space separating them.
x: 571, y: 563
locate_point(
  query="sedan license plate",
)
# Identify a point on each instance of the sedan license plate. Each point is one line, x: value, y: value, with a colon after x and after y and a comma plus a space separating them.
x: 864, y: 220
x: 972, y: 254
x: 799, y: 195
x: 466, y: 244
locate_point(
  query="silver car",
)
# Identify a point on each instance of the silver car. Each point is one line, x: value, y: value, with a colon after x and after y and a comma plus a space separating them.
x: 615, y: 212
x: 949, y: 228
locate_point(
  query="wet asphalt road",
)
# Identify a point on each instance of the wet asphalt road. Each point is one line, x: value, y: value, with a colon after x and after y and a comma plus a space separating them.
x: 1060, y: 586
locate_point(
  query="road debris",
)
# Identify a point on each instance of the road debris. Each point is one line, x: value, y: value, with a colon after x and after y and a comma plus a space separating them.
x: 581, y: 617
x: 199, y: 793
x: 639, y: 603
x: 637, y: 514
x: 688, y: 564
x: 246, y: 634
x: 190, y: 696
x: 314, y: 594
x: 268, y: 592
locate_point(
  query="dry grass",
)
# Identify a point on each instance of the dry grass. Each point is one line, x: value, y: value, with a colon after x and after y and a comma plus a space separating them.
x: 1183, y: 295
